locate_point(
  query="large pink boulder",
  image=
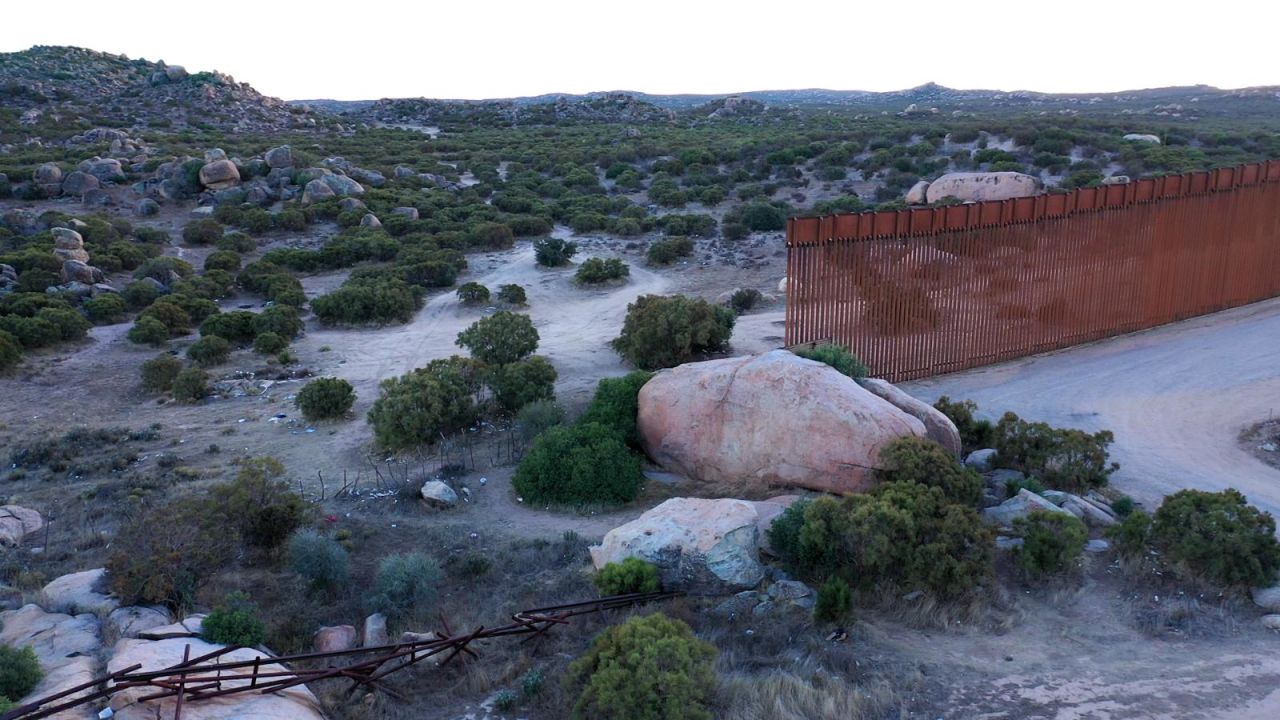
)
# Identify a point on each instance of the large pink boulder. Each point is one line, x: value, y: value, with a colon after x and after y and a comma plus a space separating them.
x: 769, y: 420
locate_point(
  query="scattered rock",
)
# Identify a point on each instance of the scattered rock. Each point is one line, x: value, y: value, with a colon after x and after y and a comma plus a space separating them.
x: 220, y: 175
x: 370, y: 221
x: 981, y: 460
x: 977, y: 187
x: 1143, y: 138
x: 78, y: 592
x: 375, y: 631
x: 1271, y: 622
x: 738, y: 605
x: 938, y: 427
x: 47, y: 174
x: 335, y: 638
x: 189, y: 627
x: 1092, y: 515
x: 439, y: 494
x: 105, y: 169
x: 409, y: 212
x: 17, y: 522
x: 66, y: 647
x: 773, y: 419
x: 705, y: 547
x: 342, y: 185
x: 78, y: 183
x: 279, y: 157
x: 79, y: 272
x: 917, y: 195
x: 1267, y: 598
x: 1097, y: 545
x: 417, y: 637
x: 315, y: 191
x: 128, y: 622
x: 1019, y: 505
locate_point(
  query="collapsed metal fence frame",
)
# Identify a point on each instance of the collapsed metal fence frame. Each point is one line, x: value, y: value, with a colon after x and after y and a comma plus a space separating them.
x: 926, y: 291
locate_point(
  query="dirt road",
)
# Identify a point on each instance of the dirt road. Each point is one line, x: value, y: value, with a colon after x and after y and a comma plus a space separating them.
x: 1176, y: 398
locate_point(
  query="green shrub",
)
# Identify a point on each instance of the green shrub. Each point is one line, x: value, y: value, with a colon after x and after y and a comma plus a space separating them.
x: 473, y: 293
x: 512, y: 295
x: 743, y: 299
x: 236, y: 242
x: 361, y: 302
x: 405, y: 586
x: 260, y: 504
x: 10, y: 351
x: 325, y: 398
x: 140, y: 293
x: 226, y: 260
x: 648, y: 667
x: 537, y: 417
x: 282, y: 320
x: 420, y: 407
x: 784, y: 533
x: 834, y: 601
x: 198, y: 309
x: 69, y: 324
x: 661, y: 332
x: 837, y: 357
x: 269, y: 343
x: 1132, y: 536
x: 106, y: 309
x: 170, y: 314
x: 734, y: 230
x: 531, y: 683
x: 209, y: 351
x: 593, y: 271
x: 974, y: 434
x: 1123, y: 507
x: 1062, y: 458
x: 503, y: 337
x: 159, y: 372
x: 237, y: 326
x: 554, y: 252
x: 667, y: 251
x: 580, y: 464
x: 762, y: 217
x: 632, y: 575
x: 163, y: 269
x: 616, y: 405
x: 1051, y: 541
x: 234, y: 623
x: 1217, y: 536
x: 148, y: 331
x: 923, y: 461
x: 517, y: 384
x: 19, y: 671
x: 320, y: 560
x: 190, y: 385
x: 202, y: 232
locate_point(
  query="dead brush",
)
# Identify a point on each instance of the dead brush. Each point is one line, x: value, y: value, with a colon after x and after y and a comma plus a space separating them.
x: 1167, y: 602
x: 989, y: 608
x: 783, y: 695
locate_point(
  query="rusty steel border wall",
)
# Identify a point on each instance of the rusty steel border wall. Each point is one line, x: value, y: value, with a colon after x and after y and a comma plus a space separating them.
x: 921, y: 292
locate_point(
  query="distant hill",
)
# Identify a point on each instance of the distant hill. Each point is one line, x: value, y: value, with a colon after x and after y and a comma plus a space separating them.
x: 106, y: 89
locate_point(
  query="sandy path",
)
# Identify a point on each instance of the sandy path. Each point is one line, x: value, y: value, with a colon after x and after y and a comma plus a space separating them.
x: 1176, y: 397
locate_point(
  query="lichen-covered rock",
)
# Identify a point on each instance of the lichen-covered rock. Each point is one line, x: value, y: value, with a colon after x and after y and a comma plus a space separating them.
x: 979, y: 186
x: 939, y: 427
x: 439, y: 494
x: 769, y: 420
x: 702, y: 546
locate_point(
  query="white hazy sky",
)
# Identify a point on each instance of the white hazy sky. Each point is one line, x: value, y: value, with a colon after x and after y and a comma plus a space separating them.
x: 498, y: 48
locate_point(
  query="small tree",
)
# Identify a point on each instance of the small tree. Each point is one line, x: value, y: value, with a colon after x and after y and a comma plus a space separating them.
x: 325, y: 398
x: 648, y: 667
x: 743, y: 299
x: 473, y: 293
x: 10, y: 351
x: 1062, y: 458
x: 577, y: 465
x: 661, y: 332
x: 632, y: 575
x: 594, y: 271
x: 234, y: 623
x: 616, y: 405
x: 149, y: 331
x: 202, y: 232
x: 554, y: 252
x: 106, y: 309
x: 1051, y: 541
x: 512, y: 295
x: 519, y: 383
x: 269, y: 343
x: 405, y: 586
x: 425, y: 404
x: 834, y: 601
x: 164, y: 555
x: 501, y: 338
x: 209, y: 351
x: 1218, y: 536
x: 159, y: 372
x: 260, y: 503
x: 974, y: 434
x: 190, y: 385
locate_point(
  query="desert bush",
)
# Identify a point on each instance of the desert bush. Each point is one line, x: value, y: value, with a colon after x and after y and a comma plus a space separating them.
x: 1051, y: 541
x: 1217, y: 536
x: 632, y: 575
x: 1062, y: 458
x: 140, y: 293
x: 1123, y: 506
x: 762, y: 217
x: 1132, y: 536
x: 473, y: 293
x: 784, y: 533
x: 209, y: 351
x: 237, y: 326
x: 974, y: 434
x: 837, y: 357
x: 661, y: 332
x: 923, y: 461
x: 226, y: 260
x: 269, y: 343
x: 405, y: 586
x: 375, y: 301
x: 19, y: 671
x: 198, y: 309
x: 10, y: 351
x: 202, y: 232
x: 517, y: 384
x: 260, y: 504
x: 593, y: 271
x: 320, y: 560
x: 554, y: 252
x: 648, y: 667
x: 159, y: 372
x: 616, y: 405
x: 163, y: 556
x: 106, y: 309
x: 420, y: 407
x: 148, y: 331
x: 69, y: 324
x: 325, y: 398
x: 170, y: 314
x: 282, y: 320
x: 834, y: 601
x: 501, y: 338
x: 234, y: 623
x: 512, y: 295
x: 581, y: 464
x: 190, y: 385
x: 734, y: 230
x: 537, y: 417
x: 743, y: 299
x: 667, y: 251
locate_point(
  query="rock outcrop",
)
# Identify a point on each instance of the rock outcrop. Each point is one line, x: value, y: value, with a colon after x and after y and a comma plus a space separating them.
x: 769, y: 420
x: 918, y: 194
x: 707, y: 547
x: 79, y: 592
x: 976, y: 187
